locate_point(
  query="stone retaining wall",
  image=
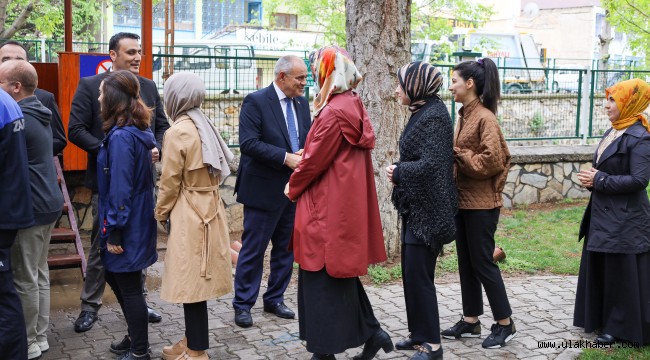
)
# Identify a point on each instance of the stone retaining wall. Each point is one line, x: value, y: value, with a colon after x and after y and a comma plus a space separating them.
x: 541, y: 174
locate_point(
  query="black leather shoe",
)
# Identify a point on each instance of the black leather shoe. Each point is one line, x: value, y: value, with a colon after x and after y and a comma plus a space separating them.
x: 121, y: 346
x: 323, y: 357
x: 280, y: 310
x: 605, y: 339
x: 380, y: 340
x: 407, y: 344
x: 85, y: 321
x: 131, y: 356
x: 426, y: 353
x: 243, y: 318
x: 154, y: 317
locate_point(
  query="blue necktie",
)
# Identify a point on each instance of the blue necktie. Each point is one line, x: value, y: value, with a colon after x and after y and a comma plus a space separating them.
x: 291, y: 126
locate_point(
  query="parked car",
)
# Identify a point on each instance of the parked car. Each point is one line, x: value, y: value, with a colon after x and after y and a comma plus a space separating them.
x: 566, y: 78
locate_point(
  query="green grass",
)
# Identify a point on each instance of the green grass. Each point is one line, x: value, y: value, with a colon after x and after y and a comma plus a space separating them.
x: 615, y: 354
x: 534, y: 241
x: 382, y: 274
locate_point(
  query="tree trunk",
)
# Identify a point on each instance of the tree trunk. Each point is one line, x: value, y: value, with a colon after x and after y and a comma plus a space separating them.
x: 379, y: 41
x: 604, y: 38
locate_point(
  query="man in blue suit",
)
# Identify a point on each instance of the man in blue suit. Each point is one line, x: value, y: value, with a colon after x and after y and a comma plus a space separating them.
x: 273, y: 126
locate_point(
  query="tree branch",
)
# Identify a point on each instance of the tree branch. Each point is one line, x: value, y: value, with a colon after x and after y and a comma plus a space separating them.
x: 637, y: 9
x: 632, y: 23
x: 19, y: 22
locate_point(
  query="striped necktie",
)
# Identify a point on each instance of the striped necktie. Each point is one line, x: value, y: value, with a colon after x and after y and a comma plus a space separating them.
x: 291, y: 126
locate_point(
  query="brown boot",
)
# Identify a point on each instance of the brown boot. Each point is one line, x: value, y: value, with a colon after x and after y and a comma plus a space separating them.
x: 193, y: 355
x: 173, y: 352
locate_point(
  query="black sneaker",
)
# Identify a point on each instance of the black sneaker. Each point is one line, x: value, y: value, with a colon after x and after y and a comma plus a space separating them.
x: 463, y: 329
x: 500, y: 335
x: 122, y: 346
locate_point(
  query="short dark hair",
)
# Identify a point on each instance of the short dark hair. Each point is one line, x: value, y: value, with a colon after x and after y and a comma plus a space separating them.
x: 114, y: 42
x: 12, y: 42
x: 121, y: 103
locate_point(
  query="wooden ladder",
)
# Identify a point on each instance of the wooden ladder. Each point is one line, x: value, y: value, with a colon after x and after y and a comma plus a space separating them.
x: 62, y: 235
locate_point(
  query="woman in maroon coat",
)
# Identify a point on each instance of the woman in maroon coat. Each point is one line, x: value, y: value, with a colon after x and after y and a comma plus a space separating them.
x: 337, y: 231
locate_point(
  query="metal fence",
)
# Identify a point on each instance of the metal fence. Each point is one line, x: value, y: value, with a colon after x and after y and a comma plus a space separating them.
x: 599, y: 80
x: 563, y: 102
x: 537, y: 104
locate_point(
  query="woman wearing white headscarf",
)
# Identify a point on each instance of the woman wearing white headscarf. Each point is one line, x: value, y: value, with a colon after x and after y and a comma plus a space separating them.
x: 197, y: 261
x: 337, y: 231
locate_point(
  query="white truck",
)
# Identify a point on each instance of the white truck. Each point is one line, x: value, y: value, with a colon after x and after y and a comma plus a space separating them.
x: 515, y: 52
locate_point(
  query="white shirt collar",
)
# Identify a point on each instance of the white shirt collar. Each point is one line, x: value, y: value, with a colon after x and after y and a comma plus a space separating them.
x: 281, y: 95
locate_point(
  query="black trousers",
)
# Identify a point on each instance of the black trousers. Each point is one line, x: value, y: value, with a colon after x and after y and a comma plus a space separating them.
x: 13, y: 335
x: 127, y: 287
x: 196, y: 325
x: 418, y: 273
x: 475, y: 248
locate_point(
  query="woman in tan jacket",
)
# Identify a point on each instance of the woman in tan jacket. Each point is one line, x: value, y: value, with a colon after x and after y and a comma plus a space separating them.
x: 197, y: 262
x: 482, y: 161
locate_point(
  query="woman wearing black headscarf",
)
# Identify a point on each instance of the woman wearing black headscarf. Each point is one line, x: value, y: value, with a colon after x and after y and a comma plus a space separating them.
x: 425, y: 197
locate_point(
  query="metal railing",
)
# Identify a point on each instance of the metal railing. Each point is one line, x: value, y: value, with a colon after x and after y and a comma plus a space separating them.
x: 536, y: 103
x: 549, y: 103
x: 600, y: 79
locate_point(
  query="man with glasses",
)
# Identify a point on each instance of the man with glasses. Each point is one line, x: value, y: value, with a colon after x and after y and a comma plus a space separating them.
x: 273, y: 126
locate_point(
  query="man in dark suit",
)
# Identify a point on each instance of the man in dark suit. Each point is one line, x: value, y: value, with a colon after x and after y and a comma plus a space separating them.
x: 85, y: 131
x: 273, y: 126
x: 13, y: 50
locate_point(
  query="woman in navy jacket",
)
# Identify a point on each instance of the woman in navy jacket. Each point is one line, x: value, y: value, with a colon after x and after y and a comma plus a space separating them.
x: 613, y: 295
x: 126, y: 204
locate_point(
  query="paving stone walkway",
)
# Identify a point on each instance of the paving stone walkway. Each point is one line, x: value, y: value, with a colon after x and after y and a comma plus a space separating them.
x: 542, y: 306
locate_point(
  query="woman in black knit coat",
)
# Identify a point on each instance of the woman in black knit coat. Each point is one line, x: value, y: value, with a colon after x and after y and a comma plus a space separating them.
x: 424, y: 194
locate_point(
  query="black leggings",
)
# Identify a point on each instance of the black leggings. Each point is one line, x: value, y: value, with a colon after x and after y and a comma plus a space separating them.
x: 127, y: 287
x: 475, y: 248
x: 196, y: 325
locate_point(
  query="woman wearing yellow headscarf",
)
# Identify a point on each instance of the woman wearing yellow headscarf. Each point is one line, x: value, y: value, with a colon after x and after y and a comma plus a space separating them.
x: 613, y: 295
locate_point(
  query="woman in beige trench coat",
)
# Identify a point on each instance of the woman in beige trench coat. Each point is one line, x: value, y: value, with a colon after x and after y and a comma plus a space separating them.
x: 197, y: 261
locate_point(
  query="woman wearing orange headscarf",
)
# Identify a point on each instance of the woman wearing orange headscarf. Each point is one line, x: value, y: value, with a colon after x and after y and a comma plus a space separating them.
x: 613, y: 295
x: 337, y: 230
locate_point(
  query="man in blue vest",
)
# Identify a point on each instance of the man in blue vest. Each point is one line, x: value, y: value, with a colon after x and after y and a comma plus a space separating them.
x: 17, y: 213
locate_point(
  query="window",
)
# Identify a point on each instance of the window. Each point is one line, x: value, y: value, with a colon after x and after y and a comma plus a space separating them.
x: 254, y: 12
x: 218, y: 14
x: 288, y: 21
x: 127, y: 12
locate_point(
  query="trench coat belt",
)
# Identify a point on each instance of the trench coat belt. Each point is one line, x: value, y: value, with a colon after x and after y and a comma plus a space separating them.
x: 205, y: 248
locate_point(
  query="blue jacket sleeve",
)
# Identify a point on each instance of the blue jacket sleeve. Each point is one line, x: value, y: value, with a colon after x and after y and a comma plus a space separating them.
x: 250, y: 136
x: 122, y: 166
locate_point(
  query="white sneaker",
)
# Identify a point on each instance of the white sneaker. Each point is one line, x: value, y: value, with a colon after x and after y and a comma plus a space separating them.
x: 33, y: 351
x: 43, y: 345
